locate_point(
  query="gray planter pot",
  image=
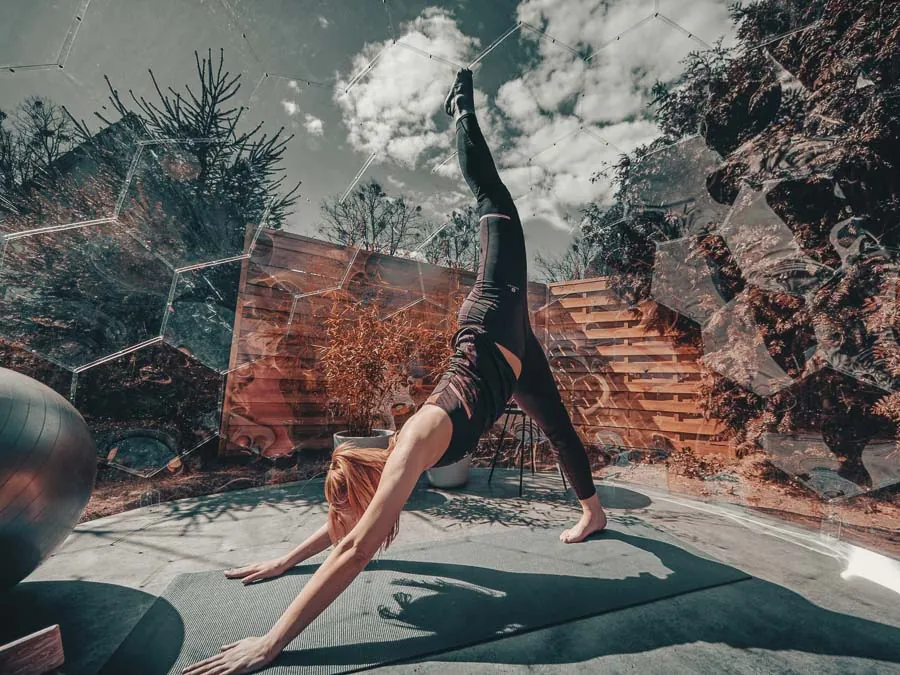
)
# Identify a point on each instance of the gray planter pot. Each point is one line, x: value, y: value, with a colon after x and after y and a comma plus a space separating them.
x: 379, y: 439
x: 450, y: 476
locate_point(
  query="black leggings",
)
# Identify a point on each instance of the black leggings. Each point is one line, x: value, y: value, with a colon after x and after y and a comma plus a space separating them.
x: 498, y: 306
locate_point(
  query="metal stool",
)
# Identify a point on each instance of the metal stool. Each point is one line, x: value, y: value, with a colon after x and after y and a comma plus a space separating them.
x: 514, y: 411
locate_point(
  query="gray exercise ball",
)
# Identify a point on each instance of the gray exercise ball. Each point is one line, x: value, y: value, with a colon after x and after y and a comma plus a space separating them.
x: 48, y: 463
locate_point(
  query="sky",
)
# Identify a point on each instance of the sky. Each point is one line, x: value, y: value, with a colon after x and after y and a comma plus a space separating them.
x: 360, y: 84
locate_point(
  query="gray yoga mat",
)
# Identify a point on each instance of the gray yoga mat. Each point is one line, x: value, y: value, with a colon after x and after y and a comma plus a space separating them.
x: 420, y: 601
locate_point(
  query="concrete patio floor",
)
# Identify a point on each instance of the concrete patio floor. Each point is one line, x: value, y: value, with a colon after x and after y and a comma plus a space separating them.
x: 799, y: 612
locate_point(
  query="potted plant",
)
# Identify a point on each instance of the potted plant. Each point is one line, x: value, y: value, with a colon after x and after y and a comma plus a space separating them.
x: 368, y: 365
x: 365, y: 361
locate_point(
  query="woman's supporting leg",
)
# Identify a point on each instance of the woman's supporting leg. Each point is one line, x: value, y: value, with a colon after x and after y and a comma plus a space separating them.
x: 537, y: 394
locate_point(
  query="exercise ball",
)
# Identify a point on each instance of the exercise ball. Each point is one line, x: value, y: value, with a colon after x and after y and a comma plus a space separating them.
x: 48, y: 463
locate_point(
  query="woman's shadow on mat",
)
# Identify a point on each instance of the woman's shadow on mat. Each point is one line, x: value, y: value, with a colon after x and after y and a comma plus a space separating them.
x: 468, y: 605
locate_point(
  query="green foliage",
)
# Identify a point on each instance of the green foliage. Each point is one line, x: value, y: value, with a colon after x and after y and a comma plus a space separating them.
x: 366, y: 359
x: 833, y: 146
x: 239, y: 168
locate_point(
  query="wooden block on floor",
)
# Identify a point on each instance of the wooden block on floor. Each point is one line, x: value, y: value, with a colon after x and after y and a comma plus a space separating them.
x: 33, y: 654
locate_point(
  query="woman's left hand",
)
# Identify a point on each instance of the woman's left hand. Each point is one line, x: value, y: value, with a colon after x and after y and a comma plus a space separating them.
x: 244, y: 656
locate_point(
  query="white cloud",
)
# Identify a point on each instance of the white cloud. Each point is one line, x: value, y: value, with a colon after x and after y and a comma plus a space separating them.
x: 519, y: 105
x: 588, y: 23
x: 449, y: 169
x: 532, y: 121
x: 323, y: 22
x: 396, y: 182
x: 391, y: 110
x: 610, y: 90
x: 615, y: 83
x: 437, y: 205
x: 314, y: 126
x: 290, y: 107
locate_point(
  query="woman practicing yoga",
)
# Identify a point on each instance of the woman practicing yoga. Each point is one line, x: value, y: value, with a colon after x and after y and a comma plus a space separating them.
x: 497, y: 357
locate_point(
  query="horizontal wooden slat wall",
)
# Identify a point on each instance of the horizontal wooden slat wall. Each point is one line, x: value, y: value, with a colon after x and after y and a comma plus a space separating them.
x: 623, y: 384
x: 275, y: 401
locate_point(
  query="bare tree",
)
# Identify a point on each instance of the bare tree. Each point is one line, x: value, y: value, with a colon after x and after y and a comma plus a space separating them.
x: 371, y: 219
x: 32, y: 138
x: 456, y: 243
x: 579, y: 261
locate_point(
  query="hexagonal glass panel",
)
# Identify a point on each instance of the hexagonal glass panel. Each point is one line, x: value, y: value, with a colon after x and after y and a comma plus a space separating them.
x: 312, y: 43
x: 15, y: 357
x: 227, y: 314
x: 683, y: 280
x: 808, y: 460
x: 858, y: 336
x: 174, y: 206
x: 201, y: 315
x: 765, y: 249
x: 81, y: 294
x: 37, y: 34
x: 386, y: 282
x: 674, y: 179
x: 733, y: 346
x: 75, y: 178
x: 121, y: 40
x: 148, y: 407
x: 621, y: 75
x: 276, y: 404
x: 302, y: 265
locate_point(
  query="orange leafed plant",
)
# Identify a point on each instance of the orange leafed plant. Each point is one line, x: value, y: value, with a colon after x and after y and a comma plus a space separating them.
x: 367, y: 359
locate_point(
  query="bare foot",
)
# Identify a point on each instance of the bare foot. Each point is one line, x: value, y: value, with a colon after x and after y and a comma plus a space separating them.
x: 586, y: 526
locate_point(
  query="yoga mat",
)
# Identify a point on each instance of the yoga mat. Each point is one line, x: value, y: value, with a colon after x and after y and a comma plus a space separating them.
x: 420, y: 601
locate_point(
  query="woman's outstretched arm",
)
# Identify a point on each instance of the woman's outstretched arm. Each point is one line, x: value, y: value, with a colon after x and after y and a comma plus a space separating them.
x: 419, y: 447
x: 421, y: 444
x: 317, y: 542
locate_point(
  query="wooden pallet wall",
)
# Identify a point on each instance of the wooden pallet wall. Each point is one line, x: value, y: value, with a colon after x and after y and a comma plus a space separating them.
x: 275, y: 401
x: 622, y: 384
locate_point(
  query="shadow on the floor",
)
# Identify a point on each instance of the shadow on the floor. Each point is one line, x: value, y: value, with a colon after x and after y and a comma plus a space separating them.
x: 93, y: 618
x: 211, y: 507
x: 458, y: 606
x: 481, y: 605
x: 425, y: 501
x: 614, y: 497
x: 499, y: 502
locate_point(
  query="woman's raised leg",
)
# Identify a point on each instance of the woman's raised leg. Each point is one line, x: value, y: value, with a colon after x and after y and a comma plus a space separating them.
x: 498, y: 299
x: 499, y: 302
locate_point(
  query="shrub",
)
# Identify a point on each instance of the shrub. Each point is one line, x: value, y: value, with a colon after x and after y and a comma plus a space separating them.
x: 367, y: 359
x: 844, y: 55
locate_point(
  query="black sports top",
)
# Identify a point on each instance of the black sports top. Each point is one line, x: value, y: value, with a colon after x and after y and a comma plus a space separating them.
x: 474, y: 391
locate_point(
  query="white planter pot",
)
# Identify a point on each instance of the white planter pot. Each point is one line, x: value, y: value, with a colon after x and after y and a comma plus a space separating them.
x: 450, y: 476
x: 379, y: 439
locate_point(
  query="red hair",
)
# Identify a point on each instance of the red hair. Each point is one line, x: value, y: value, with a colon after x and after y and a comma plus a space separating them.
x: 350, y: 485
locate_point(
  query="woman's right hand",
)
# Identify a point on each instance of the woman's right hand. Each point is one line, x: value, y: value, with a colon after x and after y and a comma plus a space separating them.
x: 266, y: 569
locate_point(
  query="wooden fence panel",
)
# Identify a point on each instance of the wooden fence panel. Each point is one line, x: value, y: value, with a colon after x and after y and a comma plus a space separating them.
x: 623, y: 383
